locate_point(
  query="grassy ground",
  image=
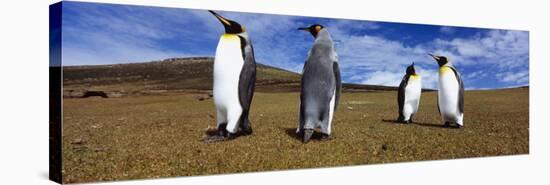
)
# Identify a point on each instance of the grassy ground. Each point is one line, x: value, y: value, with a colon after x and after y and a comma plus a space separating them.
x: 160, y: 136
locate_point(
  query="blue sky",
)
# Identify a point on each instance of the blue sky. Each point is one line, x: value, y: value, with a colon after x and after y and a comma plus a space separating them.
x: 370, y: 52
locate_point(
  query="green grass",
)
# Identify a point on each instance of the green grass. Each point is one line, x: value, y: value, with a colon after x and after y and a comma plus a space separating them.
x: 160, y: 136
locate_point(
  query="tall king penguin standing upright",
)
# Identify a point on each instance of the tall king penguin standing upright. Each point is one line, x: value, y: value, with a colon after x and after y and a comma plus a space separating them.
x: 451, y: 93
x: 321, y: 85
x: 408, y: 96
x: 234, y: 78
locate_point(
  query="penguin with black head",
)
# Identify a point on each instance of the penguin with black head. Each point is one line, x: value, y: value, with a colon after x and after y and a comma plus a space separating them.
x: 450, y: 96
x: 234, y: 80
x: 320, y: 85
x: 408, y: 95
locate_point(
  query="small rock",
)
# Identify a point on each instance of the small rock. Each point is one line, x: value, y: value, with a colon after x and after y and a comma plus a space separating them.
x: 350, y: 108
x: 99, y: 149
x: 201, y: 97
x: 77, y: 141
x: 384, y: 147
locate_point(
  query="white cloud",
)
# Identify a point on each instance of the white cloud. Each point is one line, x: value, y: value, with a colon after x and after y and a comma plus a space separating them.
x: 430, y: 77
x: 520, y: 77
x: 476, y: 74
x: 496, y: 51
x: 386, y: 78
x: 506, y: 49
x: 107, y: 34
x: 380, y: 61
x: 393, y: 78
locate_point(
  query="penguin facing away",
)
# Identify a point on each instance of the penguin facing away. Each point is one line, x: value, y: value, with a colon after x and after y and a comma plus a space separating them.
x: 450, y: 94
x: 320, y: 86
x: 408, y: 96
x: 234, y: 80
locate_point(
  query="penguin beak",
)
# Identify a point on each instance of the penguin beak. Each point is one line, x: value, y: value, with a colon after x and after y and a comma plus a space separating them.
x: 433, y: 56
x: 223, y: 20
x: 304, y: 29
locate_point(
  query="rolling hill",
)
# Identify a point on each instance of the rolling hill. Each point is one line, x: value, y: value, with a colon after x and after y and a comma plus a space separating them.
x: 175, y: 74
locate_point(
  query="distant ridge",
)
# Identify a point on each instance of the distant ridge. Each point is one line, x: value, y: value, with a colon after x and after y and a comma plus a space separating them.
x: 192, y: 73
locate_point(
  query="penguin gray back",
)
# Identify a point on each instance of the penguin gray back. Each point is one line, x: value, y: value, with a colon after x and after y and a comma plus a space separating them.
x: 319, y: 82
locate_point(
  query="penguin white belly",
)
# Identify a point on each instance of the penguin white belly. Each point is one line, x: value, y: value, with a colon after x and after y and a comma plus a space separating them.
x: 448, y: 95
x: 412, y: 96
x: 227, y: 69
x: 330, y: 114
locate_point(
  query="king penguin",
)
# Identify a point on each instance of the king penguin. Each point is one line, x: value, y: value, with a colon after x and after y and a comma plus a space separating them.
x: 408, y: 96
x: 450, y: 94
x: 234, y: 80
x: 320, y: 85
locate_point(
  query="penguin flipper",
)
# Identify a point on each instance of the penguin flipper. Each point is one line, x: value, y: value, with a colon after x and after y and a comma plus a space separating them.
x: 401, y: 96
x: 247, y: 80
x: 460, y: 90
x: 338, y: 80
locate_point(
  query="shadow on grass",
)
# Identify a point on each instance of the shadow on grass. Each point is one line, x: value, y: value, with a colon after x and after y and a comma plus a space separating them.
x: 292, y: 133
x: 391, y: 121
x: 212, y: 136
x: 417, y: 123
x: 432, y: 125
x: 214, y: 132
x: 211, y: 132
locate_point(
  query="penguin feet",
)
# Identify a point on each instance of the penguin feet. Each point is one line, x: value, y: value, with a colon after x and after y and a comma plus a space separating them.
x: 307, y: 135
x: 246, y: 129
x: 219, y: 138
x: 452, y: 125
x: 400, y: 119
x: 221, y: 135
x: 325, y: 137
x: 457, y: 126
x: 230, y: 136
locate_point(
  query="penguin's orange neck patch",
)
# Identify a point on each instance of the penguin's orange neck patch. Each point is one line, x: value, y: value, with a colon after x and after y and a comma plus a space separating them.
x: 416, y: 76
x: 317, y: 28
x: 444, y: 69
x: 230, y: 37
